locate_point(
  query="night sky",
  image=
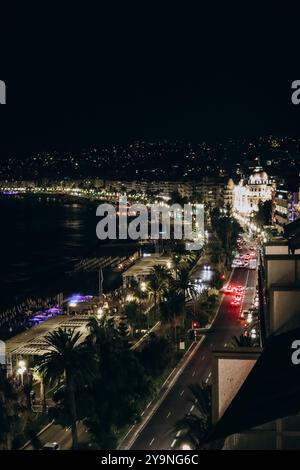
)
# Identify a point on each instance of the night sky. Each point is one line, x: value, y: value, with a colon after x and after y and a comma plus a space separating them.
x: 81, y: 77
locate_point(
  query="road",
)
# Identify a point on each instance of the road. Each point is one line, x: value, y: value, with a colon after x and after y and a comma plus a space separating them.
x: 55, y: 433
x: 157, y: 434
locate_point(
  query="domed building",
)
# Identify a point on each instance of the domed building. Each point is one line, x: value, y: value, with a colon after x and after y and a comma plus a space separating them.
x: 249, y: 193
x: 258, y: 177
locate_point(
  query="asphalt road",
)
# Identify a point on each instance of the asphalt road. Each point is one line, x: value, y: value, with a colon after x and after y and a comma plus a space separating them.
x: 63, y: 436
x: 158, y: 434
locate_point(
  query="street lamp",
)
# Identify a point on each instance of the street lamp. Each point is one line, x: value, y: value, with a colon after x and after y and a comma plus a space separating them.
x: 21, y: 369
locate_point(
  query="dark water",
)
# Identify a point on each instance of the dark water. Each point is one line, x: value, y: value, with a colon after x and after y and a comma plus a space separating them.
x: 40, y: 239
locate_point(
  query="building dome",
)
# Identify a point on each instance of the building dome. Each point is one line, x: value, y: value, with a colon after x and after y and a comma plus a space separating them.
x: 259, y: 176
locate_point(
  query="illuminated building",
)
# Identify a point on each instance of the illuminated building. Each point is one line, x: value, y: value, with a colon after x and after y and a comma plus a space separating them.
x: 228, y: 194
x: 249, y: 193
x: 287, y: 208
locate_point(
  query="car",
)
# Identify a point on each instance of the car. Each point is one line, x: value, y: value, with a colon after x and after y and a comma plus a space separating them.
x: 236, y: 290
x: 229, y: 290
x: 235, y: 303
x: 240, y: 288
x: 206, y: 267
x: 51, y: 446
x: 246, y: 256
x: 237, y: 297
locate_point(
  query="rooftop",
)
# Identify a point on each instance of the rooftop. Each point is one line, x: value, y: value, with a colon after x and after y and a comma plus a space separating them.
x: 144, y: 266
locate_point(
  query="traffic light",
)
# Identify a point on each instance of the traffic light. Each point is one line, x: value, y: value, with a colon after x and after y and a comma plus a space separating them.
x: 195, y: 325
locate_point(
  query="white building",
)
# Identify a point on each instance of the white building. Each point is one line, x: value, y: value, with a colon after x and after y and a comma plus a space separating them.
x: 249, y: 193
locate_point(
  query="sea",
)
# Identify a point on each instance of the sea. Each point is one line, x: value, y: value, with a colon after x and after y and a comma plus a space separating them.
x: 41, y: 238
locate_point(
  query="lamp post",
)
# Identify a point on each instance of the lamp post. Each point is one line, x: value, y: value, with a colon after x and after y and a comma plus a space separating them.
x: 21, y: 369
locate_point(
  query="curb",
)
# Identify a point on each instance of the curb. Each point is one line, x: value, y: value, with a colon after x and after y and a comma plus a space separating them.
x: 37, y: 435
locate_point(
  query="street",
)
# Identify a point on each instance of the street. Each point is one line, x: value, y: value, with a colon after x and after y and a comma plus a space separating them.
x: 157, y: 434
x: 55, y: 433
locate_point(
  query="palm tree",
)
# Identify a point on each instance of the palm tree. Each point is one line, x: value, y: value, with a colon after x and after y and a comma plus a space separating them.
x: 100, y: 330
x: 184, y: 284
x: 135, y: 289
x: 171, y: 307
x: 195, y: 426
x: 177, y: 262
x: 71, y: 359
x: 132, y: 313
x: 158, y: 282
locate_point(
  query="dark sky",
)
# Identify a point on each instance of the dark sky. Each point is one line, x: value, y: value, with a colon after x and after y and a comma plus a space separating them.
x: 85, y: 76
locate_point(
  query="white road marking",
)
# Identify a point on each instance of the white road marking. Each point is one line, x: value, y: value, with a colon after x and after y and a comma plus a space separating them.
x: 168, y: 414
x: 151, y: 442
x: 173, y: 443
x: 203, y: 357
x: 209, y: 374
x: 192, y: 408
x: 178, y: 434
x: 206, y: 380
x: 182, y: 393
x: 148, y: 405
x: 225, y: 345
x: 193, y: 374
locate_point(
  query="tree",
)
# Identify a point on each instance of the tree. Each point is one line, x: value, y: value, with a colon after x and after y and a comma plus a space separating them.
x: 136, y: 291
x: 132, y: 313
x: 176, y: 198
x: 158, y: 282
x: 171, y: 308
x: 71, y: 360
x: 264, y: 214
x: 177, y: 262
x: 184, y: 285
x: 10, y: 411
x: 217, y: 281
x: 156, y: 355
x: 118, y: 392
x: 227, y: 230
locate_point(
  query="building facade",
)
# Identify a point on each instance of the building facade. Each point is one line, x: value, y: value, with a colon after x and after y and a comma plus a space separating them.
x: 286, y: 208
x: 249, y: 193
